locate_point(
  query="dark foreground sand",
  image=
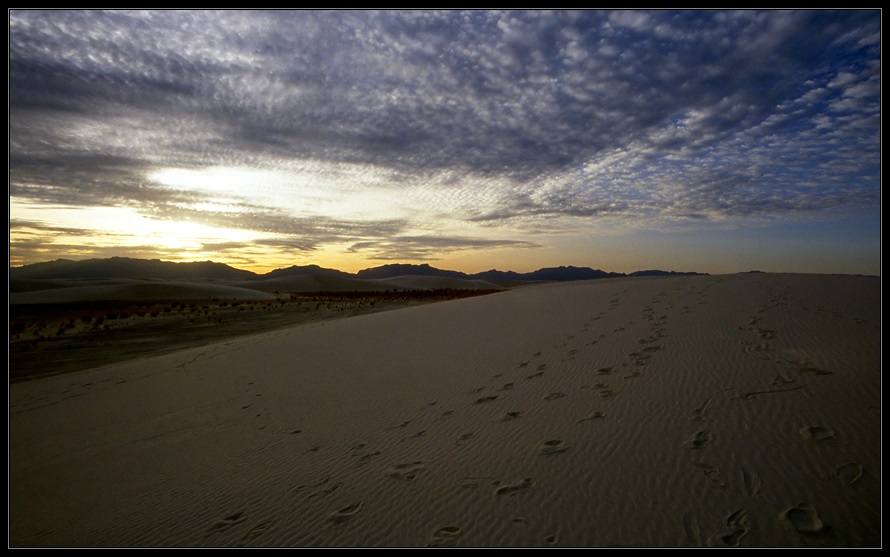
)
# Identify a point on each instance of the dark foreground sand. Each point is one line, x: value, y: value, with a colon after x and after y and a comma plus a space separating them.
x: 737, y: 410
x: 61, y: 337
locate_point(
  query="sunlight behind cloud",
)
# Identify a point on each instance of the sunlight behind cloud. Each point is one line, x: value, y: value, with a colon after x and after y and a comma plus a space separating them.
x: 299, y: 188
x: 104, y: 228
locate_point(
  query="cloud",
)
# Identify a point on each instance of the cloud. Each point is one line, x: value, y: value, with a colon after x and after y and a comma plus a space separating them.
x: 521, y: 119
x: 429, y: 248
x: 303, y: 233
x: 31, y: 227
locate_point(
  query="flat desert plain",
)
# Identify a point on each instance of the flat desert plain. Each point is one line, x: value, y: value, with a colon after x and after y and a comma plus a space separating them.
x: 730, y: 411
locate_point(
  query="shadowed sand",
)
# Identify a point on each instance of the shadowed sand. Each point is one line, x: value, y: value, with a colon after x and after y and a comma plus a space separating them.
x: 729, y: 411
x: 59, y: 333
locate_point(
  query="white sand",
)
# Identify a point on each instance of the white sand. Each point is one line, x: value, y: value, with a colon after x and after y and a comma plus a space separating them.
x: 723, y: 410
x: 121, y: 290
x: 56, y: 291
x: 318, y: 283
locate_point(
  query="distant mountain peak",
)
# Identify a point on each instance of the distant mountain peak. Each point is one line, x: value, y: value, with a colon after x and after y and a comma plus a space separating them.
x: 402, y: 269
x: 128, y: 267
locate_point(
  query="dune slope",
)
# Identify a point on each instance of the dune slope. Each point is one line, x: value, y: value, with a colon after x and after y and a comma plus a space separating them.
x: 737, y: 410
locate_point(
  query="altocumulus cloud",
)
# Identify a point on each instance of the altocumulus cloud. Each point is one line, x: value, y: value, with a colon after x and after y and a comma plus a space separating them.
x: 501, y: 122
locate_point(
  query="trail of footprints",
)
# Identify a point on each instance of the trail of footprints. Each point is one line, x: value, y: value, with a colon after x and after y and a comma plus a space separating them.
x: 535, y: 367
x: 410, y: 471
x: 526, y: 372
x: 734, y: 527
x: 802, y: 517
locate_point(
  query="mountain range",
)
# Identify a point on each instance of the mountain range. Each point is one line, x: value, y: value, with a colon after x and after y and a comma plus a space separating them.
x: 130, y: 268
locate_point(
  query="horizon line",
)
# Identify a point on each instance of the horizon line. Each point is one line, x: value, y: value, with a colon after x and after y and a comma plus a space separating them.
x: 426, y: 264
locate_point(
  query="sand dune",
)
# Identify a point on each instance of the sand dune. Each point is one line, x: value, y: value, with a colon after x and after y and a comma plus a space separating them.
x: 55, y: 291
x: 416, y: 282
x: 737, y: 410
x: 135, y: 289
x: 321, y: 283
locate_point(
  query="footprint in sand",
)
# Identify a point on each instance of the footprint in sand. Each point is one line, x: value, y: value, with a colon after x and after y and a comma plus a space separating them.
x: 736, y: 529
x: 443, y: 536
x: 464, y: 438
x: 605, y: 393
x: 604, y: 371
x: 513, y: 488
x: 507, y: 386
x: 486, y: 399
x: 781, y: 380
x: 804, y: 518
x: 509, y: 416
x: 345, y: 513
x: 697, y: 440
x: 816, y: 433
x: 712, y: 472
x: 594, y: 416
x: 254, y: 533
x: 751, y: 481
x: 639, y: 359
x: 849, y: 473
x: 554, y: 396
x: 552, y: 447
x: 363, y: 459
x: 227, y: 522
x: 407, y: 472
x: 697, y: 415
x: 535, y: 375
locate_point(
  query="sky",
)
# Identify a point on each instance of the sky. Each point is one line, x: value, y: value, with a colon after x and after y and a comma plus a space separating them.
x: 710, y: 141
